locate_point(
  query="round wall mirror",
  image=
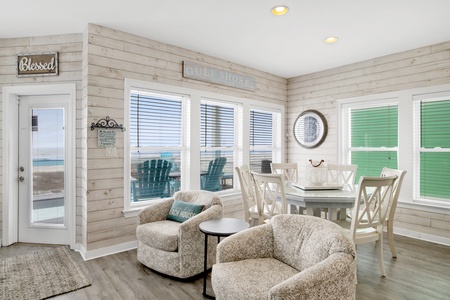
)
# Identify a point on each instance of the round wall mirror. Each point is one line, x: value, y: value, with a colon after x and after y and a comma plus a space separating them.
x: 310, y: 129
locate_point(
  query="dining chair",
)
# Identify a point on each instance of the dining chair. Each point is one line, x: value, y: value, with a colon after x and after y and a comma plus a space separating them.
x: 211, y: 180
x: 270, y: 195
x: 373, y: 199
x: 289, y: 170
x: 248, y: 195
x: 152, y: 180
x: 341, y: 174
x: 389, y: 221
x: 290, y: 173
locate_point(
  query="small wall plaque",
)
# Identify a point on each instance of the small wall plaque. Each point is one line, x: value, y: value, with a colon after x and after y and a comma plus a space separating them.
x: 106, y: 138
x: 37, y: 64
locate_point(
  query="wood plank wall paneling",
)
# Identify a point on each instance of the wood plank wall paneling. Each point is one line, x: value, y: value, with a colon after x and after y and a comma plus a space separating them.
x: 422, y: 67
x: 112, y: 56
x: 98, y: 60
x: 70, y: 49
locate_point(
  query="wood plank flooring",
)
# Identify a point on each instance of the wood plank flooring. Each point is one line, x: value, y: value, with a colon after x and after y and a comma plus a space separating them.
x: 421, y: 271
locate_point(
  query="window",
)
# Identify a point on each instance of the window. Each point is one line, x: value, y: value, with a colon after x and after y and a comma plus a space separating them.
x: 407, y: 130
x: 373, y: 138
x: 189, y: 129
x: 264, y: 140
x: 217, y: 145
x: 155, y: 145
x: 432, y: 144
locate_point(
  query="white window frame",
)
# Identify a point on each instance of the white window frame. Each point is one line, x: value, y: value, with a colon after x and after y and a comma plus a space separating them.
x: 277, y: 133
x: 406, y: 140
x: 191, y: 142
x: 346, y: 149
x: 417, y: 99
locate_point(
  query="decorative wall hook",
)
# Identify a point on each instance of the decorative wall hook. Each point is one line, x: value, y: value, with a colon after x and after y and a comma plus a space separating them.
x: 107, y: 123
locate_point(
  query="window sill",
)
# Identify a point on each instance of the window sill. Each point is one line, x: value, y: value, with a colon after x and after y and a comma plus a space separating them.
x: 134, y: 211
x: 433, y: 207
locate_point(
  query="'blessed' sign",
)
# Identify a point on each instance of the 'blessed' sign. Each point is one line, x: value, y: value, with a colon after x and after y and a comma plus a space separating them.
x: 197, y: 71
x: 35, y: 64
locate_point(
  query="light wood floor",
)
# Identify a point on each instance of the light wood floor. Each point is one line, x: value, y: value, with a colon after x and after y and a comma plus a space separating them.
x: 421, y: 271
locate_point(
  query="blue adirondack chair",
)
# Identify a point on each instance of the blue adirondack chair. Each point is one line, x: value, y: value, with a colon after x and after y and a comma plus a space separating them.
x: 153, y: 180
x: 211, y: 180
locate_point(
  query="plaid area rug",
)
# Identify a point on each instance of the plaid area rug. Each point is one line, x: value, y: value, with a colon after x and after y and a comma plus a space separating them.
x: 41, y: 275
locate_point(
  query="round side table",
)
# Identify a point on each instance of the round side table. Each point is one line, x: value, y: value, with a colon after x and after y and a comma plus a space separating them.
x: 222, y: 227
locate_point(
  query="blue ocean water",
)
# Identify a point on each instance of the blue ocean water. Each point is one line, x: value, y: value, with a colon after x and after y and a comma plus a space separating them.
x: 47, y: 162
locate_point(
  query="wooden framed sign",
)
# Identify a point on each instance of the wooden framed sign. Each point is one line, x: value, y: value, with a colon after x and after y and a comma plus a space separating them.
x: 37, y: 64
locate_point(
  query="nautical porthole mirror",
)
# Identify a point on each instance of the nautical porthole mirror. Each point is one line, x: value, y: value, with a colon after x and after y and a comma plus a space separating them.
x: 310, y: 129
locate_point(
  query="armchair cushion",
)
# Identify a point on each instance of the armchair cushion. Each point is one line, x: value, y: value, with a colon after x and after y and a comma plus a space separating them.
x: 259, y: 273
x: 162, y: 235
x: 173, y: 248
x: 182, y: 211
x: 293, y: 257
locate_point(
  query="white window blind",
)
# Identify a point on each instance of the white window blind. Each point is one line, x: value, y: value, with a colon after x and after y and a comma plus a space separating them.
x: 155, y: 133
x: 217, y: 139
x: 261, y: 140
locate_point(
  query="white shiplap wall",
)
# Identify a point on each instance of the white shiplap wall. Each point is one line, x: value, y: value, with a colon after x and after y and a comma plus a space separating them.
x: 423, y: 67
x: 112, y: 56
x: 70, y: 60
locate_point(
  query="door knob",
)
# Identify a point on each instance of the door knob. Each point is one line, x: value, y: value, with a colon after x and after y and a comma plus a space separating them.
x: 21, y: 179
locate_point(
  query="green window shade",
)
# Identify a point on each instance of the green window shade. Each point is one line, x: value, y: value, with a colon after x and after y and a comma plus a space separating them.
x: 370, y: 163
x: 435, y: 175
x: 435, y: 146
x: 435, y: 126
x: 373, y: 132
x: 375, y: 127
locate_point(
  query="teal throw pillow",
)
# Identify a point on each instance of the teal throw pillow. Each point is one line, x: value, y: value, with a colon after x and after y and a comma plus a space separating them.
x: 182, y: 211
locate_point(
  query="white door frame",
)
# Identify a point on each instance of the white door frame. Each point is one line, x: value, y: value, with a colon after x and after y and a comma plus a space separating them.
x: 10, y: 156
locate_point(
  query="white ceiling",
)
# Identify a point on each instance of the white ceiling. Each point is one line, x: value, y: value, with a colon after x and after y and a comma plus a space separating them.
x: 244, y: 31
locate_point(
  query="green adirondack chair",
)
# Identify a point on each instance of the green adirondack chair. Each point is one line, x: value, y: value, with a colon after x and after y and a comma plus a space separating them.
x: 153, y: 180
x: 211, y: 180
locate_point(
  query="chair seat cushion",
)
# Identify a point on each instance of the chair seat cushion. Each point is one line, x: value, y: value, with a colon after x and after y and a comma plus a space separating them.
x: 162, y: 235
x: 249, y: 279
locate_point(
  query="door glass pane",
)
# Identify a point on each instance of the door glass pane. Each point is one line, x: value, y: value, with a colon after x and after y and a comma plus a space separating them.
x: 48, y: 166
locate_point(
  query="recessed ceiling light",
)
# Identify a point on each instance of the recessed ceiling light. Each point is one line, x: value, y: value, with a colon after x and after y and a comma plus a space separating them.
x: 330, y: 40
x: 279, y: 10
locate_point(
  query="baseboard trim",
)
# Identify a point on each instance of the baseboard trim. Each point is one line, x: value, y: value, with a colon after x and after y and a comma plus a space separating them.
x: 92, y: 254
x: 422, y: 236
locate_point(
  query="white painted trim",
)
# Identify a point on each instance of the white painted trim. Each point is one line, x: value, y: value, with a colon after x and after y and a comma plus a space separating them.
x: 93, y: 254
x: 192, y: 146
x: 422, y: 236
x: 10, y: 208
x: 405, y: 150
x: 101, y: 252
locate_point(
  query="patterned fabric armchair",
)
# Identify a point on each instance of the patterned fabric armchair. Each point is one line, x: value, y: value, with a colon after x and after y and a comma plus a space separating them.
x: 293, y: 257
x: 173, y: 248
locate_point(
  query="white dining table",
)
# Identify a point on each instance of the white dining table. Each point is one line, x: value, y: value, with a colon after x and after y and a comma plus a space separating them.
x: 318, y: 199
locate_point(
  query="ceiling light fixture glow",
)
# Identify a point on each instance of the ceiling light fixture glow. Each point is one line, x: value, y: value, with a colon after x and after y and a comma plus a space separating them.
x: 279, y: 10
x: 330, y: 40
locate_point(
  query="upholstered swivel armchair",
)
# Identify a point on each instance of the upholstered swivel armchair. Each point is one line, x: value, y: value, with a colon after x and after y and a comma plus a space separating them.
x: 293, y: 257
x: 174, y: 248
